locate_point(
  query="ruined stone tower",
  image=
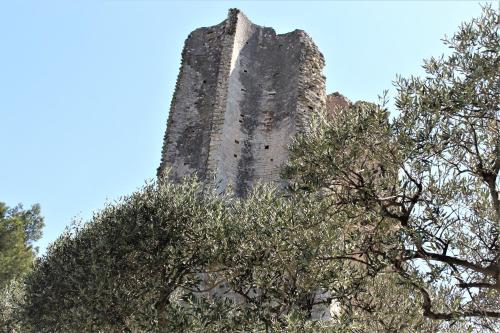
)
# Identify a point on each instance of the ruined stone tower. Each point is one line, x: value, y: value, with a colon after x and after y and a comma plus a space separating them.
x: 242, y: 93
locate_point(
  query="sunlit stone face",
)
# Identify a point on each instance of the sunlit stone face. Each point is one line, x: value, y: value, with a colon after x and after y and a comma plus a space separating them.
x: 243, y: 91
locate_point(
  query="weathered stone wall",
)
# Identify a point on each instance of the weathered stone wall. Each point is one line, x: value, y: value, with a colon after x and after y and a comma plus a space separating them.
x: 335, y: 102
x: 187, y: 140
x: 242, y: 93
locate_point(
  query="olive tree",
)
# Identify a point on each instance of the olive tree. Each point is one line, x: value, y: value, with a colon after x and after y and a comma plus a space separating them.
x: 119, y: 271
x: 422, y: 189
x: 177, y: 257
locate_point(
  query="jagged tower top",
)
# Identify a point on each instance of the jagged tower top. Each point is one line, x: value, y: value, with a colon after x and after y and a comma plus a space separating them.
x: 243, y: 91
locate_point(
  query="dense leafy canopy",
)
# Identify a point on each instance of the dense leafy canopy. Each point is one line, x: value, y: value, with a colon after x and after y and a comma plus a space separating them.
x: 19, y: 228
x: 425, y: 185
x: 11, y: 302
x: 119, y: 271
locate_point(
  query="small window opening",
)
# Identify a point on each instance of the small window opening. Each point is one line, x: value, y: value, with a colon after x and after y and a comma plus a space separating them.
x: 245, y: 70
x: 272, y: 160
x: 266, y: 147
x: 236, y: 141
x: 235, y: 155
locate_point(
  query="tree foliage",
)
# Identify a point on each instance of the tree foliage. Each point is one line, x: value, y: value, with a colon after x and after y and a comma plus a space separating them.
x: 19, y: 228
x: 11, y: 302
x: 423, y: 189
x: 177, y: 257
x: 119, y: 271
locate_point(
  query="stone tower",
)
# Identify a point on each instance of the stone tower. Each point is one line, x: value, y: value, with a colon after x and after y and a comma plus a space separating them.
x: 242, y: 93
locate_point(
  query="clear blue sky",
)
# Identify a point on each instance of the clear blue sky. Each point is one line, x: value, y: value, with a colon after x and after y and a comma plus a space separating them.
x: 85, y: 86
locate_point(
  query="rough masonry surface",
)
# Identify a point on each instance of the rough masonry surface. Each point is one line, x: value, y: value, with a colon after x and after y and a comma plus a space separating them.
x: 242, y: 92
